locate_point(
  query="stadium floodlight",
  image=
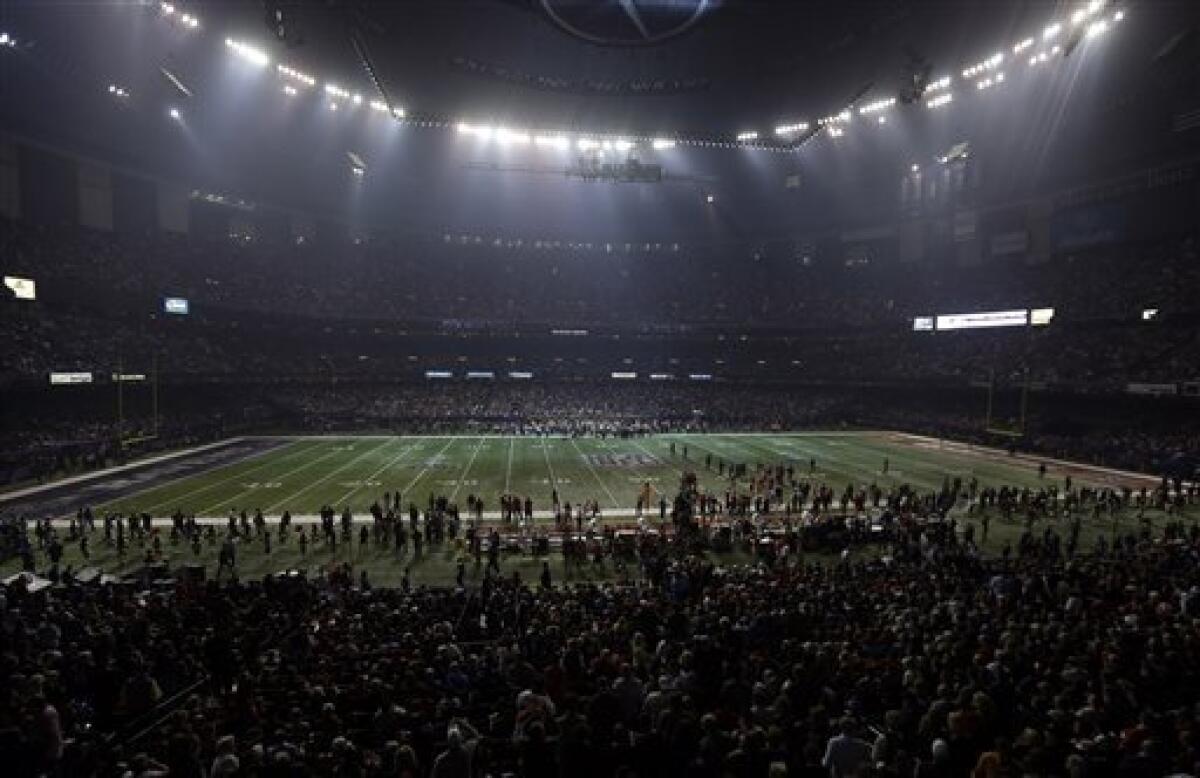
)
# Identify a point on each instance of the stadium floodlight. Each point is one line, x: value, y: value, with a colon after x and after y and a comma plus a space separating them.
x: 1079, y: 16
x: 551, y: 141
x: 356, y: 99
x: 710, y: 198
x: 882, y: 120
x: 295, y: 75
x: 1095, y: 6
x: 622, y: 145
x: 290, y: 90
x: 1017, y: 49
x: 505, y: 137
x: 174, y: 114
x: 1051, y: 31
x: 791, y: 129
x: 914, y: 167
x: 836, y: 132
x: 1118, y: 16
x: 940, y: 100
x: 586, y: 144
x: 877, y: 106
x: 379, y: 105
x: 254, y: 56
x: 167, y: 8
x: 662, y: 143
x: 1097, y: 28
x: 747, y: 135
x: 938, y: 85
x: 7, y: 40
x: 332, y: 106
x: 187, y: 20
x: 333, y: 90
x: 118, y: 91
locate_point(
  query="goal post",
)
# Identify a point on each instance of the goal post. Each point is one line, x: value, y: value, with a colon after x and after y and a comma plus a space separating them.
x: 1007, y: 406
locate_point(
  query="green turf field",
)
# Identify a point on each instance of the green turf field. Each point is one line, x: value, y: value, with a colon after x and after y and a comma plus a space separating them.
x: 305, y: 473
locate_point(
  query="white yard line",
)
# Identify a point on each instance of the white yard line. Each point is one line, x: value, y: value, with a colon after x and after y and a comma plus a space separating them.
x: 595, y: 475
x: 390, y: 463
x: 421, y: 474
x: 550, y: 467
x: 327, y: 476
x: 177, y: 499
x: 244, y: 492
x: 508, y: 468
x: 462, y: 476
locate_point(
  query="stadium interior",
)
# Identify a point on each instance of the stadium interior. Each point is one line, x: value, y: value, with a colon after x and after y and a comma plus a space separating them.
x: 532, y: 388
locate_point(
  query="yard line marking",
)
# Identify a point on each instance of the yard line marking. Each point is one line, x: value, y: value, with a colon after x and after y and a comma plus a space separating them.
x: 549, y: 467
x: 388, y: 464
x: 421, y: 474
x: 243, y: 492
x: 643, y: 477
x: 462, y: 476
x: 223, y: 481
x: 508, y: 469
x: 592, y: 467
x: 329, y: 475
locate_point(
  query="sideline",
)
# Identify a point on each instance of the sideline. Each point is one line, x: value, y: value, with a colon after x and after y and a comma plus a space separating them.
x: 108, y: 471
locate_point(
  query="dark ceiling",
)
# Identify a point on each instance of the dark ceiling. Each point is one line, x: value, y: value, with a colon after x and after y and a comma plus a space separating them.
x: 733, y: 63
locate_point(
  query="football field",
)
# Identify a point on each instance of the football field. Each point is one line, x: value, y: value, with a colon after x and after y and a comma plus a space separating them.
x: 303, y: 474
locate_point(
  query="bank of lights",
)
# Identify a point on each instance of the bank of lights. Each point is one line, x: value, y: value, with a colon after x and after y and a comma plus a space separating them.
x: 1017, y: 49
x: 939, y: 85
x: 185, y: 19
x: 1090, y: 20
x: 560, y: 142
x: 118, y: 91
x: 877, y: 106
x: 991, y: 63
x: 791, y: 129
x: 7, y: 40
x: 295, y: 75
x: 841, y: 118
x: 256, y: 57
x: 990, y: 81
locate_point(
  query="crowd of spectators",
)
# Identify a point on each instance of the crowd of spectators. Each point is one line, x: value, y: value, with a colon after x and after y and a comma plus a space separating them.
x: 925, y: 661
x: 434, y: 278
